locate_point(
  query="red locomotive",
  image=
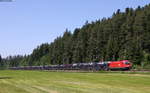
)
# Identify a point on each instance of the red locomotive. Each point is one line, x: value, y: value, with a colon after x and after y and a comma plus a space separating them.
x: 120, y: 65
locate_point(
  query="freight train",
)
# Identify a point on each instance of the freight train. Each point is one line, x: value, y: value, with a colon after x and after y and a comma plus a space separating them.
x: 91, y: 66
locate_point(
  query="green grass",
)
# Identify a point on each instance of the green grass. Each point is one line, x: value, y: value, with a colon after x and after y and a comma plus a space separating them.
x: 67, y: 82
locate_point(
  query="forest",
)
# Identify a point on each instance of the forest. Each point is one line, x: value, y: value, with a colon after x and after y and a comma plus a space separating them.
x: 123, y: 36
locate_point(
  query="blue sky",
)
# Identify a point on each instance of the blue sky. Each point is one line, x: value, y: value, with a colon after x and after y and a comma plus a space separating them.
x: 25, y: 24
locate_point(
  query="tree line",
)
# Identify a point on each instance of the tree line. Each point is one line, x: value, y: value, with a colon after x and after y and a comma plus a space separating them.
x: 124, y: 35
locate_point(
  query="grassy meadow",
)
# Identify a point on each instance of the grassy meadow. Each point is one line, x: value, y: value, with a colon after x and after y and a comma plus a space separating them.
x: 67, y: 82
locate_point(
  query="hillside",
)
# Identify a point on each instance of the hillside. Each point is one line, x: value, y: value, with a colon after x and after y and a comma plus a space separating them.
x: 125, y: 35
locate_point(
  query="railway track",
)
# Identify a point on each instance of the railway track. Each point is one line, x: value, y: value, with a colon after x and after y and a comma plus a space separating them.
x: 85, y: 71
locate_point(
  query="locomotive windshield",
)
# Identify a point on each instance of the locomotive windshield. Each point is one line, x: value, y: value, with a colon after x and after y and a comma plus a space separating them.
x: 127, y: 63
